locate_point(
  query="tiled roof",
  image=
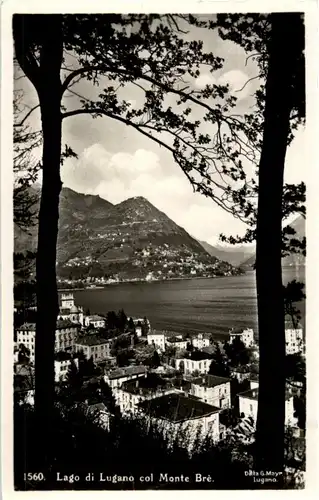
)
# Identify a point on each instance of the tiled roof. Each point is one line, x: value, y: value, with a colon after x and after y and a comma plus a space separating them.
x: 91, y: 340
x: 210, y: 380
x: 177, y: 408
x: 126, y: 372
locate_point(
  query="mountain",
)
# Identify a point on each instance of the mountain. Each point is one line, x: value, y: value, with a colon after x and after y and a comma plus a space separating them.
x: 74, y: 208
x: 299, y: 225
x: 234, y: 255
x: 130, y: 240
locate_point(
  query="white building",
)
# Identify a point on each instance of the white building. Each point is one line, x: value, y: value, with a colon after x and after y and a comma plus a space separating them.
x: 133, y: 392
x: 176, y: 342
x: 66, y: 300
x: 294, y: 338
x: 62, y: 364
x: 65, y: 335
x: 68, y: 310
x: 138, y: 322
x: 93, y: 347
x: 138, y: 330
x: 115, y: 378
x: 94, y: 320
x: 200, y: 341
x: 183, y: 418
x: 248, y: 406
x: 197, y: 362
x: 246, y: 335
x: 157, y: 339
x: 212, y: 390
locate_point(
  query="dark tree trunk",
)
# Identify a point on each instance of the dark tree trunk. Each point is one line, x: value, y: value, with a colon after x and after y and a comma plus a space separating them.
x: 49, y: 92
x: 283, y: 53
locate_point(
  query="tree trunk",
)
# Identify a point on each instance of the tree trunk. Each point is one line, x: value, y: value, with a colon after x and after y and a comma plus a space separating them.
x: 283, y: 53
x: 49, y: 91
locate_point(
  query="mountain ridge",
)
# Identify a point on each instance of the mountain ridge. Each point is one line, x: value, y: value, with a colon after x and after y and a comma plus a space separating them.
x: 130, y: 240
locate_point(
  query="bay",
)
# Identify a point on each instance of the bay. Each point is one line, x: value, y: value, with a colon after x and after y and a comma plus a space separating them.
x: 197, y: 305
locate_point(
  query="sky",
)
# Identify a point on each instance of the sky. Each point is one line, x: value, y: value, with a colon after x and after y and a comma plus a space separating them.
x: 117, y: 162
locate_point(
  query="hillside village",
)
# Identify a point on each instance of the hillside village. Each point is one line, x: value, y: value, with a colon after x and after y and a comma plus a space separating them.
x: 189, y: 382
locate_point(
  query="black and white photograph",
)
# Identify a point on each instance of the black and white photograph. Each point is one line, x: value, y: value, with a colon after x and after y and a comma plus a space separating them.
x: 159, y: 247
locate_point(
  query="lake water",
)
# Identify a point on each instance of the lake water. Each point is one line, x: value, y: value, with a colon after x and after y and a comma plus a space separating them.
x: 211, y: 305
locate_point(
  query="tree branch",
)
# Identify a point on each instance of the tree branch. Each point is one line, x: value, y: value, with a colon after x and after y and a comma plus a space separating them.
x: 26, y: 116
x: 196, y: 185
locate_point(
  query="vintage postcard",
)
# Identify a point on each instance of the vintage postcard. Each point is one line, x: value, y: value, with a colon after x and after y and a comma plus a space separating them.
x: 154, y: 246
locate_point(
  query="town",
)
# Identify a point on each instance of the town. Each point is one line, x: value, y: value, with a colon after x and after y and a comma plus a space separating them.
x: 190, y: 382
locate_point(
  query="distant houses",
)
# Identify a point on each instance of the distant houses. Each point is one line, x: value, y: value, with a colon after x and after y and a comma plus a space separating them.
x: 175, y: 390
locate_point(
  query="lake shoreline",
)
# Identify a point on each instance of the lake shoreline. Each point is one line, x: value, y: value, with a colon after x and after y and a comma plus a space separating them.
x: 148, y: 282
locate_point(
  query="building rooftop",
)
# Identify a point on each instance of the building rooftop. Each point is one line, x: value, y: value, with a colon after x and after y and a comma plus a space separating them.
x: 24, y: 370
x: 27, y: 327
x: 96, y: 317
x: 210, y: 381
x: 177, y: 408
x: 175, y: 339
x: 90, y: 340
x: 292, y: 324
x: 198, y: 356
x: 145, y: 385
x: 64, y: 323
x: 240, y: 369
x: 236, y: 331
x: 155, y: 332
x: 126, y: 371
x: 253, y: 394
x: 210, y: 349
x: 64, y: 310
x: 23, y: 383
x: 96, y: 407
